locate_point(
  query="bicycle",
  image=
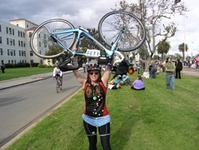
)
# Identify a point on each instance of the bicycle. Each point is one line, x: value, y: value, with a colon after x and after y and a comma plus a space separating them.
x: 58, y: 83
x: 121, y: 31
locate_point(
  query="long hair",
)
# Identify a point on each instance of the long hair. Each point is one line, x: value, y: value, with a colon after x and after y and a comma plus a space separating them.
x: 89, y: 91
x: 167, y: 59
x: 139, y: 77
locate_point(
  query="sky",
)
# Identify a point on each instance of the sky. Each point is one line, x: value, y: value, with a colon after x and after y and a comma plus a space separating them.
x: 87, y: 13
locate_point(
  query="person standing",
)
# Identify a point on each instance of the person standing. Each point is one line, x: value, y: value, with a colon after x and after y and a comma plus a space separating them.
x: 2, y: 67
x: 170, y: 69
x: 179, y: 68
x: 84, y: 67
x: 96, y: 115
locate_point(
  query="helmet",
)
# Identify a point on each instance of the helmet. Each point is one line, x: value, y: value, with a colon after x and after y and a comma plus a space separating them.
x: 56, y: 64
x: 94, y: 67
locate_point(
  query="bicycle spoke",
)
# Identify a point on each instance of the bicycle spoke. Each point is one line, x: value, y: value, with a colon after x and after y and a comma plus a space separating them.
x: 49, y: 39
x: 111, y: 24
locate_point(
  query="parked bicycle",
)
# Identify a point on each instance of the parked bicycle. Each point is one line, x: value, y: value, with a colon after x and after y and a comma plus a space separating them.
x: 121, y: 31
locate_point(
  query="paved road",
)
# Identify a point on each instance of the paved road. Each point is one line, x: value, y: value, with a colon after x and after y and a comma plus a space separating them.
x: 190, y: 71
x: 22, y: 106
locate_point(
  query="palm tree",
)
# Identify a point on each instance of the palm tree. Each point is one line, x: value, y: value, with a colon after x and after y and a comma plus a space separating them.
x: 163, y: 47
x: 183, y: 48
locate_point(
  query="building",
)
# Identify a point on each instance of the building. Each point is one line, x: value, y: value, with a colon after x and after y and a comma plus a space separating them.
x: 14, y: 42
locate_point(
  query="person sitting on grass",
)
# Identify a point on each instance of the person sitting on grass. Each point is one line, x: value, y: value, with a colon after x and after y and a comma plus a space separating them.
x: 138, y: 84
x: 145, y: 74
x: 114, y: 83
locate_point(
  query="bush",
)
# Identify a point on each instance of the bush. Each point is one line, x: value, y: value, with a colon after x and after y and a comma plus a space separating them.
x: 42, y: 66
x: 34, y: 64
x: 18, y: 65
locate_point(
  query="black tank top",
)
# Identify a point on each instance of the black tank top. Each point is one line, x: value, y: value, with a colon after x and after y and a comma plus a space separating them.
x: 95, y: 104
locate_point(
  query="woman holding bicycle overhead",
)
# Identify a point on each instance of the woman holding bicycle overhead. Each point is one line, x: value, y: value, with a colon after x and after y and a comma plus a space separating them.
x: 95, y: 114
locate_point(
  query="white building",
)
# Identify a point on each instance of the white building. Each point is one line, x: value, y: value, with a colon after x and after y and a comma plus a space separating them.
x: 14, y: 42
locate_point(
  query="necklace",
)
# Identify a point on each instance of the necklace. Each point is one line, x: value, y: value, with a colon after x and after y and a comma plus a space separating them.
x: 94, y: 93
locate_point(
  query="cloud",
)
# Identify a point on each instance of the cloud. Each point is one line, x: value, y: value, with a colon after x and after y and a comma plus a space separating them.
x: 87, y: 13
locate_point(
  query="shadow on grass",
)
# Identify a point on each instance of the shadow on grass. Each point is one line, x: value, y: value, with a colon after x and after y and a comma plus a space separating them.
x: 121, y: 137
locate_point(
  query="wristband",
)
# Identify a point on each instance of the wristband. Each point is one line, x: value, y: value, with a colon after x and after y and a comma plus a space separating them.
x: 109, y: 66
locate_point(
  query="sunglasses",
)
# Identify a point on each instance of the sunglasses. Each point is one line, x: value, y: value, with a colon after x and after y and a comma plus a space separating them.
x: 91, y: 73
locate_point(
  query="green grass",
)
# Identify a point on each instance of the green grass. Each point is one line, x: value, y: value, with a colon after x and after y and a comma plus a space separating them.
x: 154, y: 119
x: 11, y: 73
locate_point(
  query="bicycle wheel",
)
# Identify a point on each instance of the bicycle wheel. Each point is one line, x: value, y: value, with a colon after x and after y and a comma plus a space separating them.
x: 42, y: 40
x: 111, y: 24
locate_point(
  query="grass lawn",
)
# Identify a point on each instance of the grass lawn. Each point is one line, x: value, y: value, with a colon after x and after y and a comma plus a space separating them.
x: 11, y: 73
x: 153, y: 119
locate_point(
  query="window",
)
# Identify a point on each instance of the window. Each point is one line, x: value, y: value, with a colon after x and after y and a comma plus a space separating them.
x: 30, y: 34
x: 14, y: 53
x: 7, y: 41
x: 31, y: 53
x: 1, y: 51
x: 11, y: 52
x: 0, y: 40
x: 13, y: 42
x: 10, y: 30
x: 10, y: 41
x: 13, y: 32
x: 19, y: 53
x: 7, y: 30
x: 8, y: 52
x: 19, y: 43
x: 0, y: 28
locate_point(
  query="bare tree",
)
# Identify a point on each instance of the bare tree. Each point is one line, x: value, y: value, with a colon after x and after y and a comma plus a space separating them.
x: 152, y: 13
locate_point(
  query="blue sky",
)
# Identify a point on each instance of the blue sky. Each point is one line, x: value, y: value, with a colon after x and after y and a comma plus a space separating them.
x: 87, y: 13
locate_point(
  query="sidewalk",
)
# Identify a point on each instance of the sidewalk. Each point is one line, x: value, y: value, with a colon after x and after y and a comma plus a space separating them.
x: 25, y: 80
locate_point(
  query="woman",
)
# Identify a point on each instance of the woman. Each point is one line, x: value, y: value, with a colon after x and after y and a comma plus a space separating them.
x: 138, y: 84
x: 95, y: 114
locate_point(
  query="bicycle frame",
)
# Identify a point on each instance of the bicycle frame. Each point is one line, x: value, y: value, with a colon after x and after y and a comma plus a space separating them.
x: 81, y: 31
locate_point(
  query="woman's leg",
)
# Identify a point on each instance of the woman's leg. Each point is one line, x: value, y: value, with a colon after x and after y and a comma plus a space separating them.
x: 104, y: 132
x: 91, y: 134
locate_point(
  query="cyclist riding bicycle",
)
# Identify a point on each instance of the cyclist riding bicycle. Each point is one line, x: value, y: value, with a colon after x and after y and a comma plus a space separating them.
x: 58, y: 72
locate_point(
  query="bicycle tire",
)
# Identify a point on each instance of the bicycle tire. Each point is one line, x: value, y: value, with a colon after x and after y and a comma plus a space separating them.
x: 41, y: 39
x: 110, y: 25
